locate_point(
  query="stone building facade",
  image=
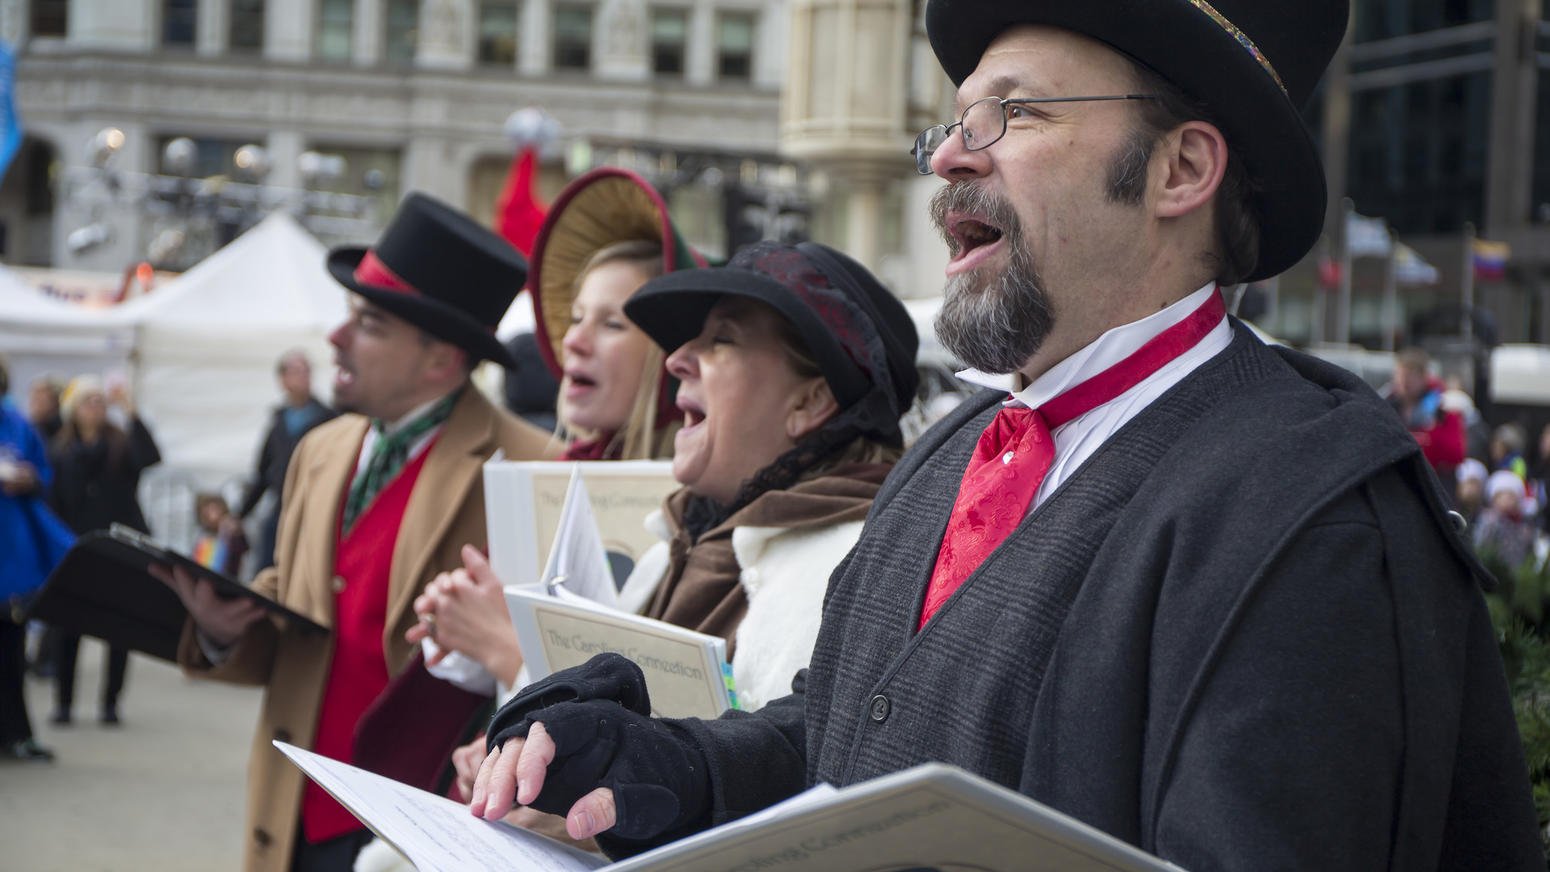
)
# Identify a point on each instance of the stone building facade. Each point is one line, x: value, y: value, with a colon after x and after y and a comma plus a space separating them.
x: 416, y: 90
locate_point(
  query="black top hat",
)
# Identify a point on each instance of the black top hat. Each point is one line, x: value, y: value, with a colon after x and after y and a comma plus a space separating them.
x: 859, y: 333
x: 441, y: 271
x: 1252, y: 63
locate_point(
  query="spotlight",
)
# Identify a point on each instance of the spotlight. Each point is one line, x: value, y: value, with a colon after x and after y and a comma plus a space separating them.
x: 86, y: 238
x: 108, y: 142
x: 178, y: 156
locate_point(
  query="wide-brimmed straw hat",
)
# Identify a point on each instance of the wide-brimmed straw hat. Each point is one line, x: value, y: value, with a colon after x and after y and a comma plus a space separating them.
x: 857, y: 331
x: 602, y: 207
x: 441, y: 271
x: 1252, y: 63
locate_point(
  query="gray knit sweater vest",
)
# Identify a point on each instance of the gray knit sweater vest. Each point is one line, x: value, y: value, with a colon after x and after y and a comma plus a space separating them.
x: 992, y: 640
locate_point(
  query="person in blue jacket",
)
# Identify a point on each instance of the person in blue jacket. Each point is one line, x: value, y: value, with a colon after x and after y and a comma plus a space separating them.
x: 33, y: 541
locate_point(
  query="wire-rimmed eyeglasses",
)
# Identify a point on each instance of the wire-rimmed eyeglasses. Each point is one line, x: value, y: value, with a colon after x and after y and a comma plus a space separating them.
x: 984, y: 123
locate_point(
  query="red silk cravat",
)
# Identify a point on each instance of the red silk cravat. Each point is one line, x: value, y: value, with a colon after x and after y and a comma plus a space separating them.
x: 1016, y: 450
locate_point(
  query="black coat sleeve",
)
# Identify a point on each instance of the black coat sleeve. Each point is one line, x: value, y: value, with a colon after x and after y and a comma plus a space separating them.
x: 1353, y: 713
x: 143, y: 452
x: 1287, y: 751
x: 64, y: 492
x: 755, y: 759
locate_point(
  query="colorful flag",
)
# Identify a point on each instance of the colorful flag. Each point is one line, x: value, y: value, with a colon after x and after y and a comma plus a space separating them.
x: 1490, y: 260
x: 1366, y: 237
x: 518, y: 214
x: 10, y: 122
x: 1411, y: 269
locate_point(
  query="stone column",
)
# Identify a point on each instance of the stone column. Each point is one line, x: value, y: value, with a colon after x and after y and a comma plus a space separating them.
x: 924, y: 251
x: 430, y: 164
x: 368, y: 32
x: 770, y: 38
x: 289, y: 26
x: 844, y: 106
x: 212, y: 27
x: 284, y: 146
x: 864, y: 216
x: 700, y: 53
x: 535, y: 45
x: 13, y: 22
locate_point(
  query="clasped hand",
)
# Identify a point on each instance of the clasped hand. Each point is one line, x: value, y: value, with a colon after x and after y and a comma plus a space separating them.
x: 465, y: 611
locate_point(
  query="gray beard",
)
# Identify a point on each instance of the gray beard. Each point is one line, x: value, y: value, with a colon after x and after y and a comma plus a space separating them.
x: 993, y: 321
x: 996, y: 322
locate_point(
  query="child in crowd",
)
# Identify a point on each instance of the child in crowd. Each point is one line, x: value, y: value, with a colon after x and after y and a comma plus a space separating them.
x: 221, y: 543
x: 1469, y: 493
x: 1504, y: 531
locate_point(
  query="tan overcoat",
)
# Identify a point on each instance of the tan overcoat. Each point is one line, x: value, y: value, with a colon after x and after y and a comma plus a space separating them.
x: 445, y: 511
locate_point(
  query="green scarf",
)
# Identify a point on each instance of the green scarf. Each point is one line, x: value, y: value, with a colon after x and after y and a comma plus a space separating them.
x: 389, y: 454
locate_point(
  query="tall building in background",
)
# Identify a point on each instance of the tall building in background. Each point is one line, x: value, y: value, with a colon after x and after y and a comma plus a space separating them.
x: 1435, y: 117
x: 372, y: 98
x: 785, y: 119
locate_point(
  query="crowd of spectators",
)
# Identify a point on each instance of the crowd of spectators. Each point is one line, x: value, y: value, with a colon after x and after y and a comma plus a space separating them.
x: 1499, y: 484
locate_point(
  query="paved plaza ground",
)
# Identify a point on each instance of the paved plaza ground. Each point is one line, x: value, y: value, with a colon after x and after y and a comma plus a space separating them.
x: 162, y: 792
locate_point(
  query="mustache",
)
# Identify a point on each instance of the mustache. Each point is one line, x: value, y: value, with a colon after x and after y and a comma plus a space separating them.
x: 973, y: 198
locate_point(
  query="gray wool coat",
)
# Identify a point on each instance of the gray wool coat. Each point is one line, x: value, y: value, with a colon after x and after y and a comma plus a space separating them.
x: 1243, y: 635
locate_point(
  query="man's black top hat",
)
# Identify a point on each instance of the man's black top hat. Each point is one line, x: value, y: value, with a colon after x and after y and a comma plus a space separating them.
x: 1252, y: 63
x: 857, y: 331
x: 441, y: 271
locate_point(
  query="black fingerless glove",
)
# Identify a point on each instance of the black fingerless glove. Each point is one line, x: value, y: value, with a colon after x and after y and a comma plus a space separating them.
x: 606, y: 676
x: 597, y: 715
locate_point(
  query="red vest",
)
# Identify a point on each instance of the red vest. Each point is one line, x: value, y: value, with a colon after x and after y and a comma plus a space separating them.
x: 359, y: 672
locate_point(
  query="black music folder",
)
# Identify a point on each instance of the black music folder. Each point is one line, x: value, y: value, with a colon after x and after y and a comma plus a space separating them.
x: 104, y: 588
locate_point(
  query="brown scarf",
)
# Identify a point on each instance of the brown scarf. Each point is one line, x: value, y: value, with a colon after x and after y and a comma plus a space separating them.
x: 701, y: 590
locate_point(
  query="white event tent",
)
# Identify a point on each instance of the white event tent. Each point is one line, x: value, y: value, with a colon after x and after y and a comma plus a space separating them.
x: 206, y: 344
x: 200, y: 351
x: 40, y: 336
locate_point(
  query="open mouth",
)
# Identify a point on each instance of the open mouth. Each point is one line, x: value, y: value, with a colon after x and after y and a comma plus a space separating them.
x: 694, y: 415
x: 970, y: 233
x: 578, y: 379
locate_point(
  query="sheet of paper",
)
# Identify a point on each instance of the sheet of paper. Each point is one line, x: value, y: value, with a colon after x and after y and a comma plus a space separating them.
x: 814, y: 795
x: 929, y: 817
x: 577, y: 559
x: 435, y: 833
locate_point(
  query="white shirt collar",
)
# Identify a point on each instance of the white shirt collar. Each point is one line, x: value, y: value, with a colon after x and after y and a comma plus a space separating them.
x: 369, y: 441
x: 391, y: 427
x: 1108, y: 349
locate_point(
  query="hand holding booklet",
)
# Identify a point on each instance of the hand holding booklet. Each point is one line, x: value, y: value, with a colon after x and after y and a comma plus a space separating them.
x: 932, y: 816
x: 434, y: 832
x: 104, y: 588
